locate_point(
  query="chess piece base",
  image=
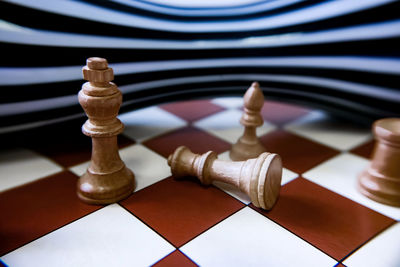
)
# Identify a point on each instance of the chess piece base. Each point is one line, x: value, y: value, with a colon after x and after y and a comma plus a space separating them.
x: 385, y: 190
x: 381, y: 180
x: 243, y: 150
x: 100, y: 189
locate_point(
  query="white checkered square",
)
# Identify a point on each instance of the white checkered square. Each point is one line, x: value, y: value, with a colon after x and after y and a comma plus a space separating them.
x: 21, y: 166
x: 146, y: 123
x: 226, y: 125
x: 148, y: 166
x: 229, y: 102
x: 320, y: 127
x: 340, y: 173
x: 381, y: 251
x: 249, y: 239
x: 108, y: 237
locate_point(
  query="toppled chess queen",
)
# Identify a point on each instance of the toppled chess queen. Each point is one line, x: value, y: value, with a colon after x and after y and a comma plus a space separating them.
x: 107, y: 179
x: 249, y: 146
x: 259, y: 178
x: 381, y: 180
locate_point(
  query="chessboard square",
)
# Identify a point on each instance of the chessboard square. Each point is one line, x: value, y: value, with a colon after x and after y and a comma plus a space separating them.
x: 287, y: 176
x: 181, y: 210
x: 226, y: 125
x: 248, y: 239
x: 108, y: 237
x: 298, y: 154
x: 383, y: 250
x: 147, y: 166
x: 229, y: 102
x: 176, y: 258
x: 322, y: 128
x: 195, y: 139
x: 282, y: 113
x: 70, y: 149
x: 149, y: 122
x: 340, y: 173
x: 79, y: 169
x: 330, y: 222
x: 21, y: 166
x: 224, y: 156
x: 364, y: 150
x: 67, y: 150
x: 192, y: 110
x: 35, y: 209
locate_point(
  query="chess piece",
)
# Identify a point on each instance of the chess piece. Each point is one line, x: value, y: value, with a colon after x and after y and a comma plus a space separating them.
x: 249, y: 146
x: 259, y: 178
x: 381, y: 180
x: 107, y: 180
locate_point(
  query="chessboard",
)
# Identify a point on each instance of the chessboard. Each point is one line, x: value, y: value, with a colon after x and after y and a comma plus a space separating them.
x: 320, y: 219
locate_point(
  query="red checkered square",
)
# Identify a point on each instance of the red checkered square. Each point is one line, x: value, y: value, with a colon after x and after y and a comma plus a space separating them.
x: 176, y: 258
x: 298, y: 153
x: 195, y: 139
x: 192, y: 110
x: 181, y: 210
x: 38, y: 208
x: 280, y: 113
x: 332, y: 223
x: 364, y: 150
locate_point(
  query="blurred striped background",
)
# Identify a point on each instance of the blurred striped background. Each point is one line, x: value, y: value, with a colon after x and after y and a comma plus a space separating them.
x: 342, y: 56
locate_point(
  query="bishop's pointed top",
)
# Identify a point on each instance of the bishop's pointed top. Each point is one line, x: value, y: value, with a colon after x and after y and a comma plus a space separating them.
x: 254, y: 97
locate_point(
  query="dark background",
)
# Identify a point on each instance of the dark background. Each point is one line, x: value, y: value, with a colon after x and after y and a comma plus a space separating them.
x: 341, y: 56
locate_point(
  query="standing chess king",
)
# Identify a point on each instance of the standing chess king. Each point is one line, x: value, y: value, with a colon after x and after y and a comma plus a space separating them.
x: 107, y: 179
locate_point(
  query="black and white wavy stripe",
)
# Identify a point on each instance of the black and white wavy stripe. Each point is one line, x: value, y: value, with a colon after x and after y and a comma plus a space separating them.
x: 339, y: 55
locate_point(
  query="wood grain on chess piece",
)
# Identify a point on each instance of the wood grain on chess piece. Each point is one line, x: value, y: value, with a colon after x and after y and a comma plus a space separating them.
x: 381, y: 180
x: 107, y: 180
x: 249, y: 146
x: 259, y: 178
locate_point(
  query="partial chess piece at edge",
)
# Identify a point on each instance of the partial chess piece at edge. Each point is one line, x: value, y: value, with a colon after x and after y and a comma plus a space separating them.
x: 259, y: 178
x: 381, y: 180
x: 107, y: 179
x: 249, y: 146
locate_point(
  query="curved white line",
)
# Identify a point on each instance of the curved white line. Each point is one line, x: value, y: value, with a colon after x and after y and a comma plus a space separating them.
x: 227, y: 11
x: 16, y: 108
x: 309, y: 14
x: 202, y: 4
x: 30, y: 125
x: 14, y: 34
x: 23, y: 76
x: 338, y: 85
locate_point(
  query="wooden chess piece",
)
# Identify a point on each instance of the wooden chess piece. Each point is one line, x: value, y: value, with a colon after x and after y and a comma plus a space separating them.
x: 107, y: 180
x: 381, y: 180
x: 249, y: 146
x: 259, y: 178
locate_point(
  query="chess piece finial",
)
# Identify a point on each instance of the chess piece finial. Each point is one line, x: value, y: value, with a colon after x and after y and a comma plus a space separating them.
x: 107, y: 179
x: 381, y: 180
x: 259, y: 178
x: 249, y: 146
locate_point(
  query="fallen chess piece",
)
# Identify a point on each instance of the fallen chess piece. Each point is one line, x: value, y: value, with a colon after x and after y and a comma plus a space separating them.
x: 249, y: 146
x: 107, y: 180
x: 259, y: 178
x: 381, y: 180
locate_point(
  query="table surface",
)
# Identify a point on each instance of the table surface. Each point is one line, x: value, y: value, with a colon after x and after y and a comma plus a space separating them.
x: 319, y: 219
